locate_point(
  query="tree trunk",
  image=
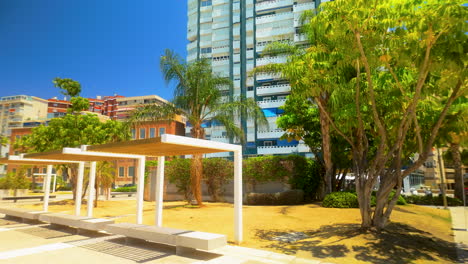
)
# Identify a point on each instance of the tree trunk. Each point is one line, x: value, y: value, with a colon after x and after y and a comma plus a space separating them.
x: 196, y: 167
x: 326, y: 147
x: 364, y: 198
x: 195, y: 177
x: 457, y: 165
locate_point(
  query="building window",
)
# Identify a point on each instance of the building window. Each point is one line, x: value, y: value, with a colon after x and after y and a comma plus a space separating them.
x: 133, y: 134
x: 268, y: 143
x: 44, y: 170
x: 206, y: 3
x: 152, y: 132
x: 121, y: 172
x: 250, y: 88
x: 142, y: 133
x: 162, y: 131
x: 206, y: 50
x: 131, y: 171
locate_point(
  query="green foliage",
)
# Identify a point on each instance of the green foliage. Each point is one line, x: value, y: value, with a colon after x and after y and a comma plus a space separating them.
x: 290, y: 197
x: 73, y: 131
x: 125, y: 189
x: 432, y: 200
x: 301, y: 173
x: 177, y: 172
x: 340, y: 200
x: 68, y: 86
x: 216, y: 172
x: 307, y: 178
x: 15, y: 181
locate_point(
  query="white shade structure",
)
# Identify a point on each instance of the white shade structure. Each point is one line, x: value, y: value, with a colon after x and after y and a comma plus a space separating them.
x: 21, y: 160
x: 166, y: 145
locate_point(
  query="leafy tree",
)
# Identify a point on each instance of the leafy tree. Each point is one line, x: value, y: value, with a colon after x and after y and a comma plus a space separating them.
x: 392, y: 70
x: 198, y: 97
x: 414, y: 66
x: 454, y: 134
x: 68, y: 86
x: 301, y: 120
x: 3, y: 141
x: 73, y: 131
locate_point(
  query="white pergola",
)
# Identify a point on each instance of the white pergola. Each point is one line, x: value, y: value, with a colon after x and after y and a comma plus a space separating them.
x: 20, y: 160
x: 166, y: 145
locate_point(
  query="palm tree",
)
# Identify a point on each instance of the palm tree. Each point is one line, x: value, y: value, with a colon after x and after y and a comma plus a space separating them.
x: 198, y: 97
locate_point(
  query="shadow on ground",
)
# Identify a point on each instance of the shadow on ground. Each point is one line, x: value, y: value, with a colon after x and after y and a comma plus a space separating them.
x: 398, y: 243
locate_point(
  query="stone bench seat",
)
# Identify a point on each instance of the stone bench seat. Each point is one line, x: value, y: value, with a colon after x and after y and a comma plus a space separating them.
x: 22, y: 213
x: 80, y: 222
x: 182, y: 239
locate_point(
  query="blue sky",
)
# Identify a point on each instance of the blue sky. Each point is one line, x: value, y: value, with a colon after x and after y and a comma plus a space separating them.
x: 109, y: 46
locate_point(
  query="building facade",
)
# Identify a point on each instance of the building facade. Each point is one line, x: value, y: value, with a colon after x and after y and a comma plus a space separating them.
x: 233, y: 35
x: 15, y: 111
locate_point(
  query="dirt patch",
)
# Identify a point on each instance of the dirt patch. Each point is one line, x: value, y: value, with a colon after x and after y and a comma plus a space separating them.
x: 416, y: 235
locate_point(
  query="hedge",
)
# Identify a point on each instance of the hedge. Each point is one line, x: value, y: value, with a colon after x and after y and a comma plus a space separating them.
x: 125, y: 189
x: 432, y: 200
x: 340, y: 200
x: 290, y: 197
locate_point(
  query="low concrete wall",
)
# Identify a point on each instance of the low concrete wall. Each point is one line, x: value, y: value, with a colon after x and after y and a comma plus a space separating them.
x: 9, y: 192
x: 171, y: 193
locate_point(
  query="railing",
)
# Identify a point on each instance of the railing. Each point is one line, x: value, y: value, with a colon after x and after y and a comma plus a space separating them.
x: 272, y: 4
x: 271, y: 103
x: 273, y: 89
x: 273, y: 18
x: 303, y: 7
x: 268, y: 60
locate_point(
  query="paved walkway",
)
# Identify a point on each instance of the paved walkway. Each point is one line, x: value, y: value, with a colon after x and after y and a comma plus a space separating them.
x: 39, y: 243
x: 460, y: 231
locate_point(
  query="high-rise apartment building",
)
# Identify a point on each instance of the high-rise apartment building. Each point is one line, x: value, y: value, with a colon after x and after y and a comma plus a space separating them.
x: 233, y: 35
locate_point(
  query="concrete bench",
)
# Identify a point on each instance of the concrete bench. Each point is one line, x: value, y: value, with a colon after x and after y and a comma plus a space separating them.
x: 79, y: 222
x: 16, y: 198
x: 129, y: 194
x: 185, y: 241
x: 22, y: 213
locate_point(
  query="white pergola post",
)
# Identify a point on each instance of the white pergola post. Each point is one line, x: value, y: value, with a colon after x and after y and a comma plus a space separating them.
x: 91, y: 190
x: 140, y: 188
x: 159, y: 191
x: 55, y: 182
x: 79, y: 188
x: 238, y: 230
x: 46, y: 183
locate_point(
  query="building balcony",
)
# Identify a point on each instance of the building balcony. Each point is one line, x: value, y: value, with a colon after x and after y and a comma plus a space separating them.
x: 271, y: 103
x: 192, y: 45
x: 216, y: 63
x: 217, y: 12
x: 192, y: 57
x: 267, y: 76
x: 250, y: 137
x: 275, y: 133
x: 217, y: 50
x: 300, y: 38
x: 273, y: 89
x: 192, y: 34
x: 270, y: 150
x: 274, y: 31
x: 262, y: 6
x: 304, y: 6
x: 269, y: 60
x: 220, y: 139
x: 218, y: 2
x: 274, y: 18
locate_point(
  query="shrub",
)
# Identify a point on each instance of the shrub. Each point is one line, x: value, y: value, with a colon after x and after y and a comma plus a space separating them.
x: 432, y: 200
x: 300, y: 172
x: 125, y: 189
x: 15, y: 181
x: 306, y: 176
x: 290, y: 197
x: 178, y: 173
x: 216, y: 172
x: 340, y: 200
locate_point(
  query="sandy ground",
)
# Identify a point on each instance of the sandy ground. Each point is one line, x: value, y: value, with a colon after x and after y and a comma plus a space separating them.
x: 416, y: 235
